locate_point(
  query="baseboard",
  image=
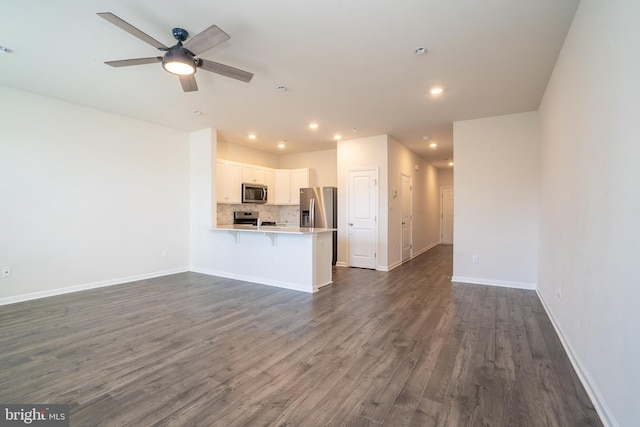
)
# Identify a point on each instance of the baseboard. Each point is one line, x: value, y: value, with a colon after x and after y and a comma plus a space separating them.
x: 387, y: 268
x: 599, y: 404
x: 390, y: 267
x: 252, y: 279
x: 500, y: 283
x: 87, y: 286
x: 423, y: 250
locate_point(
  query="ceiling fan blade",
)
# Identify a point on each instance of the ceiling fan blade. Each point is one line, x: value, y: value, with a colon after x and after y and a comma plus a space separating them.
x: 136, y: 61
x: 225, y: 70
x: 131, y: 29
x: 188, y: 83
x: 205, y: 40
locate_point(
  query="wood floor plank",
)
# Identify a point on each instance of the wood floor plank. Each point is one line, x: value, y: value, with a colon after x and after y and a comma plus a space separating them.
x: 399, y: 348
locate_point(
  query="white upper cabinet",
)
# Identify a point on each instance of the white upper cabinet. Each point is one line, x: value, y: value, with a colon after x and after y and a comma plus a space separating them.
x: 283, y: 187
x: 288, y: 185
x: 254, y: 174
x: 299, y: 179
x: 228, y: 182
x: 283, y: 184
x: 270, y: 181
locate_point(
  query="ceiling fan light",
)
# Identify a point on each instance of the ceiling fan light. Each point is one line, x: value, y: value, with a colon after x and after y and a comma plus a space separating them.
x: 176, y: 61
x: 179, y: 68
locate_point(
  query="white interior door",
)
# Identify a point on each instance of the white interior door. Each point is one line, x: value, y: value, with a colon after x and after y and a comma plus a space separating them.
x: 447, y: 215
x: 362, y: 204
x: 406, y: 217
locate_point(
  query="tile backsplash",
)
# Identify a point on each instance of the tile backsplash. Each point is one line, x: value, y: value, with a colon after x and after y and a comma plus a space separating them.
x: 280, y: 214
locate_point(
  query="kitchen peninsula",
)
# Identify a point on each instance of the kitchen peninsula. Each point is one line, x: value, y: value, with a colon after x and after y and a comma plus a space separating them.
x: 289, y: 257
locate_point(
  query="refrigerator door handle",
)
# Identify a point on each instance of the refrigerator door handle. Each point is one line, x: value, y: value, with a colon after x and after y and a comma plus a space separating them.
x: 312, y: 213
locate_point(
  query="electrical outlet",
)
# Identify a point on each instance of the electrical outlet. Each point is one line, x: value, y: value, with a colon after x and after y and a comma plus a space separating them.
x: 6, y: 271
x: 475, y: 259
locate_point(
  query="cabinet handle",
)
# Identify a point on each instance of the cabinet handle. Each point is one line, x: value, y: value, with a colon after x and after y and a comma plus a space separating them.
x: 350, y: 223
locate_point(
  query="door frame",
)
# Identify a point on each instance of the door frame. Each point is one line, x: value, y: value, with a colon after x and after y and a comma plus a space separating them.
x: 376, y: 172
x: 402, y: 176
x: 449, y: 187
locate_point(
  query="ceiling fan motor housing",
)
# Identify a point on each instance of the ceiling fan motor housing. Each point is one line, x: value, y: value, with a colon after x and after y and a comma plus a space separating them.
x: 180, y: 34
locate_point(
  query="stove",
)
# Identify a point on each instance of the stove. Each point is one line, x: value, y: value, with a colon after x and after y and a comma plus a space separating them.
x: 246, y: 217
x: 250, y: 218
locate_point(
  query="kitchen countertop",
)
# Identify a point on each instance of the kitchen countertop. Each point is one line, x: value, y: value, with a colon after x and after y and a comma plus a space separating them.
x: 281, y: 229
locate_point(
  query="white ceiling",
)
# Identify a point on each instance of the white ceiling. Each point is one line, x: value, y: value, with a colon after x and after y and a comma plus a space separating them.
x: 346, y: 63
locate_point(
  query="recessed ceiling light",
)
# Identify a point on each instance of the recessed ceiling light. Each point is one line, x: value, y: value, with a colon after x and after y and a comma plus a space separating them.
x: 252, y: 136
x: 450, y: 163
x: 281, y: 145
x: 281, y: 88
x: 337, y: 137
x: 5, y: 49
x: 421, y: 51
x: 436, y: 90
x: 313, y: 126
x: 197, y: 113
x: 433, y: 145
x: 425, y: 138
x: 354, y: 130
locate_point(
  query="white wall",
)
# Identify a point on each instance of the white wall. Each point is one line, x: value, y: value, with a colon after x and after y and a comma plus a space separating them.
x: 202, y: 196
x: 495, y: 198
x: 431, y: 191
x: 322, y: 166
x: 369, y: 152
x: 590, y: 203
x: 240, y: 153
x: 88, y: 198
x: 445, y: 177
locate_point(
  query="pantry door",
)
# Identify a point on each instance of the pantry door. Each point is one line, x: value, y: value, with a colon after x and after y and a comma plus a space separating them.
x: 362, y: 206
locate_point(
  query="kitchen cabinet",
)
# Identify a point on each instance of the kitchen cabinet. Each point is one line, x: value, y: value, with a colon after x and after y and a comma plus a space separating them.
x: 283, y: 187
x: 254, y: 174
x: 299, y: 179
x: 288, y: 185
x: 270, y: 182
x: 228, y: 182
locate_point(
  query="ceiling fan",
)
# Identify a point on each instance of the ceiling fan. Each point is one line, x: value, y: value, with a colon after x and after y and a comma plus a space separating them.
x: 180, y: 59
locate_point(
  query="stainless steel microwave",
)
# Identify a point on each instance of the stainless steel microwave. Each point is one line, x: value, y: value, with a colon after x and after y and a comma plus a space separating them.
x: 254, y: 193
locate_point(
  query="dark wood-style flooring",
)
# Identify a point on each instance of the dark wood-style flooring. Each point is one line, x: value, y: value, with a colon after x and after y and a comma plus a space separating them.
x: 406, y: 347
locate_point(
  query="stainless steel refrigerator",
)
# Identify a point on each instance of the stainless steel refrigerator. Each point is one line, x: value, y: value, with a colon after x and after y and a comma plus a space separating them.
x: 319, y: 209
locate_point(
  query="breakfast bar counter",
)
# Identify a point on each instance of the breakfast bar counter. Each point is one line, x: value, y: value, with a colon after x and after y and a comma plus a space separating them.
x: 291, y: 229
x: 290, y: 257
